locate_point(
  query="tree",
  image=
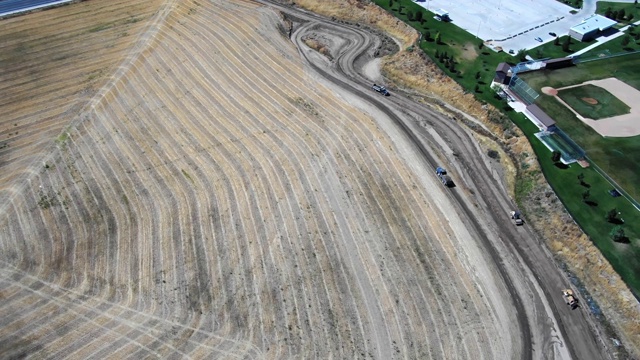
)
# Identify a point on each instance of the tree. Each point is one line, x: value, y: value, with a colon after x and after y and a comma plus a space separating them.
x: 629, y: 18
x: 478, y: 75
x: 410, y: 15
x: 555, y: 156
x: 614, y: 14
x: 438, y: 38
x: 586, y: 195
x: 452, y: 66
x: 427, y: 36
x: 626, y: 40
x: 418, y: 17
x: 617, y: 234
x: 608, y: 13
x: 437, y: 55
x: 581, y: 178
x: 390, y: 3
x: 522, y: 55
x: 612, y: 215
x: 481, y: 45
x: 621, y: 14
x: 566, y: 44
x: 556, y: 42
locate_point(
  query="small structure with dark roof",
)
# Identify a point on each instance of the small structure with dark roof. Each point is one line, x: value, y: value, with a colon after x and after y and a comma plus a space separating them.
x: 503, y: 74
x: 540, y: 118
x: 558, y: 63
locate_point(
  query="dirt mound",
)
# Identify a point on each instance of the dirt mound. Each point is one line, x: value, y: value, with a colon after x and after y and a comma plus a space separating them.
x: 549, y: 91
x: 590, y: 101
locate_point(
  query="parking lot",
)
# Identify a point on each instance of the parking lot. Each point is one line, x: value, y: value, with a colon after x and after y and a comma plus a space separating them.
x: 511, y: 24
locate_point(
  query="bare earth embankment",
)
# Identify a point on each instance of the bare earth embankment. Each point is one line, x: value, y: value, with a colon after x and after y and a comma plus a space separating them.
x: 207, y: 198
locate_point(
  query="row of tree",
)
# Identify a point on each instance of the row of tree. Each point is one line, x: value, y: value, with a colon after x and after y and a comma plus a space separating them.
x: 612, y: 216
x: 618, y: 14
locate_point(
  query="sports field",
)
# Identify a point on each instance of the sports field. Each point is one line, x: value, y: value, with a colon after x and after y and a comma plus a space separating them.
x: 619, y: 157
x: 593, y: 102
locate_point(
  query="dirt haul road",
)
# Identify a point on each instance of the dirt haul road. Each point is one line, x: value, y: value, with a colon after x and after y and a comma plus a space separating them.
x: 215, y: 198
x: 538, y: 304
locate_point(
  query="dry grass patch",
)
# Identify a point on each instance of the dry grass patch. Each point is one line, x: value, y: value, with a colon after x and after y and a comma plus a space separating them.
x: 318, y: 46
x: 469, y: 52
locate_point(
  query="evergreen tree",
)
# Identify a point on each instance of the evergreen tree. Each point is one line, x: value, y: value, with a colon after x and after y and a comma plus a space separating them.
x: 617, y: 234
x: 626, y: 40
x: 608, y: 13
x: 566, y: 44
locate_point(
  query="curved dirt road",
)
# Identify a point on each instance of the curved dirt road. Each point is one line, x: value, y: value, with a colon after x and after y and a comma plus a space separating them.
x: 531, y: 275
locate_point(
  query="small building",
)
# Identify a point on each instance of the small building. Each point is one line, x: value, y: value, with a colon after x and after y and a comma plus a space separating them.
x: 441, y: 14
x: 503, y: 74
x: 558, y: 63
x: 540, y: 118
x: 590, y: 27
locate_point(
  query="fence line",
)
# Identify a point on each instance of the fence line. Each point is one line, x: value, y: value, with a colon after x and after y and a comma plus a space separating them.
x: 578, y: 59
x: 614, y: 183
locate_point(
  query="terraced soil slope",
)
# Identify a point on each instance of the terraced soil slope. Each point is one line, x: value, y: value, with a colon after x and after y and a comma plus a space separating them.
x: 211, y: 199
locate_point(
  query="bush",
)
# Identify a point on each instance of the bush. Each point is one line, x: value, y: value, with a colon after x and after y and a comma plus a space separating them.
x: 493, y: 154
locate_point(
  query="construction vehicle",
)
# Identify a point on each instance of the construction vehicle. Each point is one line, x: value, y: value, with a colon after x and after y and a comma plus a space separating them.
x: 517, y: 218
x: 569, y: 298
x: 381, y: 89
x: 444, y: 178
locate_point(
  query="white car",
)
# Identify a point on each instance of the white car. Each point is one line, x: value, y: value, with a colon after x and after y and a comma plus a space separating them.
x: 539, y: 39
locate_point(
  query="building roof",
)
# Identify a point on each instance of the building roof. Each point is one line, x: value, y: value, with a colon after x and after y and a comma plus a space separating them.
x: 593, y: 22
x: 542, y: 116
x: 503, y: 67
x: 558, y: 60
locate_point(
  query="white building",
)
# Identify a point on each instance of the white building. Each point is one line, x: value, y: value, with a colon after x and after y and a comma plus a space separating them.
x: 590, y: 27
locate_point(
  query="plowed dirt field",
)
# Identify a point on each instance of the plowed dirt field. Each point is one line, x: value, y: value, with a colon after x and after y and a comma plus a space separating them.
x: 178, y: 185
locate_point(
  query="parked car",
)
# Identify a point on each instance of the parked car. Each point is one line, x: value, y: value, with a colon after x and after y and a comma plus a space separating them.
x: 539, y: 39
x: 553, y: 34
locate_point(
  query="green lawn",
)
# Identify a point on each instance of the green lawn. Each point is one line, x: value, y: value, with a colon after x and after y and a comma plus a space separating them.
x: 551, y: 50
x: 615, y: 46
x: 607, y: 105
x: 471, y: 60
x: 629, y: 9
x: 624, y: 68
